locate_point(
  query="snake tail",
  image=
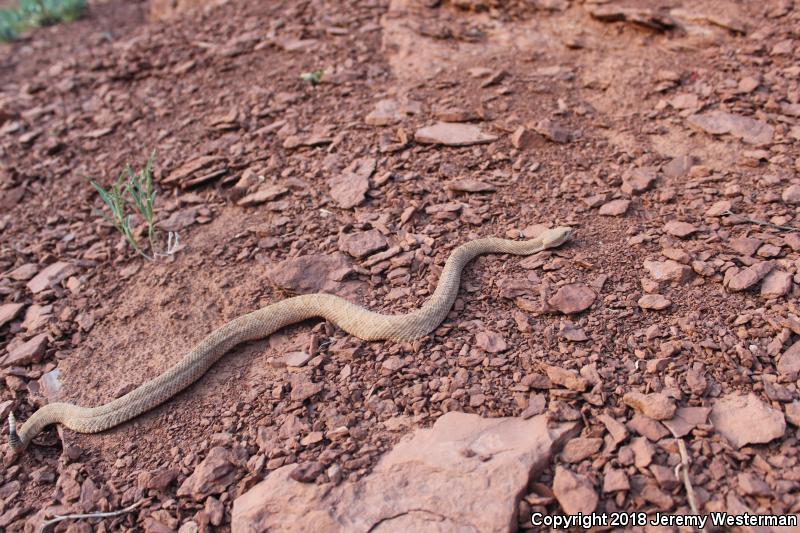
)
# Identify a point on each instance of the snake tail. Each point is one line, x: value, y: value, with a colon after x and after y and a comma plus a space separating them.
x: 13, y: 438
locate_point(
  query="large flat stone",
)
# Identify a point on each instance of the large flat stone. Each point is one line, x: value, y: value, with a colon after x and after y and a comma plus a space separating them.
x: 746, y: 420
x: 466, y: 473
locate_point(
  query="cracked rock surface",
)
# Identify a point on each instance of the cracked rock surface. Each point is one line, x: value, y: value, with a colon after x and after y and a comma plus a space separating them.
x: 465, y: 473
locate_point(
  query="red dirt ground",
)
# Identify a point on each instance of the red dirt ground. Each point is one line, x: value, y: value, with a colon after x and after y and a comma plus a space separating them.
x: 81, y: 100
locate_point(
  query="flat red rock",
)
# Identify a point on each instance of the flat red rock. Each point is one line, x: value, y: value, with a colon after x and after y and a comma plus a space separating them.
x: 638, y: 180
x: 573, y: 298
x: 554, y: 131
x: 490, y: 342
x: 776, y: 284
x: 734, y: 415
x: 30, y: 351
x: 24, y: 272
x: 581, y: 448
x: 614, y: 208
x: 789, y: 362
x: 464, y: 471
x: 386, y: 113
x: 566, y: 378
x: 349, y: 188
x: 470, y: 185
x: 265, y: 194
x: 749, y: 130
x: 575, y: 493
x: 718, y: 208
x: 749, y: 276
x: 453, y: 134
x: 668, y: 270
x: 192, y: 167
x: 615, y: 480
x: 315, y: 273
x: 9, y: 312
x: 656, y: 405
x: 655, y: 302
x: 363, y: 243
x: 791, y: 195
x: 211, y: 476
x: 686, y: 419
x: 679, y: 229
x: 51, y: 274
x: 792, y: 240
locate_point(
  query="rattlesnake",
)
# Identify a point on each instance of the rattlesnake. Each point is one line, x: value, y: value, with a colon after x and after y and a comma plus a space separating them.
x: 350, y: 317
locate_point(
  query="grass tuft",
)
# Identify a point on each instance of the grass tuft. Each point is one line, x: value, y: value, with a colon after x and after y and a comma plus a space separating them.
x: 34, y: 13
x: 133, y: 192
x: 140, y: 190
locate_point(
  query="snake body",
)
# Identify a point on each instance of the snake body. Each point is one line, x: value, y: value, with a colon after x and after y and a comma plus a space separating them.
x: 352, y: 318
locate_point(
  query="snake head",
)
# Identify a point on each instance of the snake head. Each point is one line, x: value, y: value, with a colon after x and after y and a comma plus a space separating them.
x: 13, y: 438
x: 555, y: 237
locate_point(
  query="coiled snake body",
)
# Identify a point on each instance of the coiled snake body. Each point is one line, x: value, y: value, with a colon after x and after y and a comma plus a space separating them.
x: 350, y: 317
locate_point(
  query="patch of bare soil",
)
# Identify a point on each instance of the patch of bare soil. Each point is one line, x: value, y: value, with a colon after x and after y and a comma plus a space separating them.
x: 666, y: 135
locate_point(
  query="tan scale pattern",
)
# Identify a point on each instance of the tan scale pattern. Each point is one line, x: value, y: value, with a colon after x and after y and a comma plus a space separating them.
x: 352, y: 318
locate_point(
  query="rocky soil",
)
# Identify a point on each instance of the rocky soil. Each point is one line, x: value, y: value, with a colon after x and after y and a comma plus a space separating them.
x: 650, y: 364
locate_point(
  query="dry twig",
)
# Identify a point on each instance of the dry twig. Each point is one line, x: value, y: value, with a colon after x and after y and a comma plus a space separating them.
x: 59, y: 518
x: 761, y: 222
x: 683, y: 467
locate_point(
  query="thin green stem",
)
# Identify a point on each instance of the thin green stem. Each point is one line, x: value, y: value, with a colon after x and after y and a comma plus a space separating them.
x: 134, y: 191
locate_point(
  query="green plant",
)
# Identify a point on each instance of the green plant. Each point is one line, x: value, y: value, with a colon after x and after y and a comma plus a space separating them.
x: 140, y: 189
x: 114, y: 199
x: 314, y: 77
x: 10, y: 24
x: 135, y: 189
x: 33, y: 13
